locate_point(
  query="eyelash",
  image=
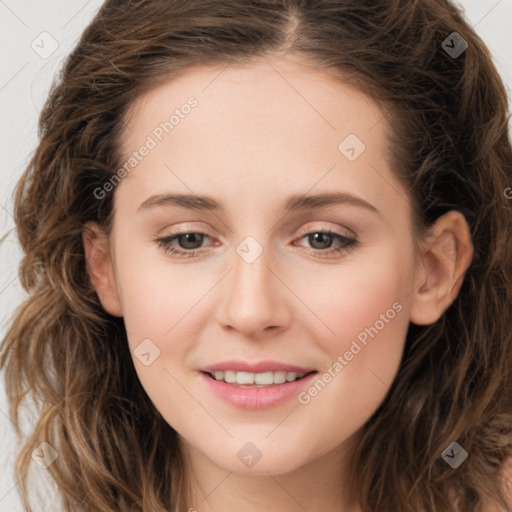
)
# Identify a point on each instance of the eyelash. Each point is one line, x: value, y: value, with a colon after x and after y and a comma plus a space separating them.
x: 349, y: 243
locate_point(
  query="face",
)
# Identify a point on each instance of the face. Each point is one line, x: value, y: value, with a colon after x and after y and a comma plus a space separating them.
x: 268, y: 279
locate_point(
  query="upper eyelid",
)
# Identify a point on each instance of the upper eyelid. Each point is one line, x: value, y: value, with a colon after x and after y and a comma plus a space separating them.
x: 314, y: 229
x: 190, y: 229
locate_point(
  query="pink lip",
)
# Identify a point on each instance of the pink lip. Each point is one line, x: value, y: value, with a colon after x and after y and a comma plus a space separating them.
x: 256, y: 398
x: 261, y: 367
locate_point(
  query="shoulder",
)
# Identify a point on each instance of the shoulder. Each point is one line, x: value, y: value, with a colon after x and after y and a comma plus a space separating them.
x: 506, y: 485
x: 507, y: 480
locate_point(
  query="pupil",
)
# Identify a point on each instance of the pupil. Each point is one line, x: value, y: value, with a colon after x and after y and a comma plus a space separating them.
x: 321, y: 235
x: 187, y: 240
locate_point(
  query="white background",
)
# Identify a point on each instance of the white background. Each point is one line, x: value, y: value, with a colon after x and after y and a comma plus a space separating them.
x: 25, y: 79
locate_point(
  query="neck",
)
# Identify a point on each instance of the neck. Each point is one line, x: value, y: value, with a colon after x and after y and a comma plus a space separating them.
x: 318, y: 485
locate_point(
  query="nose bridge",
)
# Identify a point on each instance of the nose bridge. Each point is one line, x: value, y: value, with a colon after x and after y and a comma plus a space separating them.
x: 253, y: 296
x: 252, y: 278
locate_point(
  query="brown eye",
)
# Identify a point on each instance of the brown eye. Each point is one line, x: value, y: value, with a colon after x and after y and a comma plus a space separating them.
x: 189, y: 242
x: 321, y: 241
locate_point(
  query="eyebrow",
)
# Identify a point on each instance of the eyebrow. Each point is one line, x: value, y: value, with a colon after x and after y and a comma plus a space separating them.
x: 299, y: 202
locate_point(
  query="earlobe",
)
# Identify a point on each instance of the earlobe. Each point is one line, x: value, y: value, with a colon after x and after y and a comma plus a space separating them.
x: 100, y: 268
x: 447, y: 254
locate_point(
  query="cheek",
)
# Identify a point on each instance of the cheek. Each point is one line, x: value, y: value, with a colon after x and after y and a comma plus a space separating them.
x: 366, y: 298
x: 157, y: 301
x: 364, y: 311
x: 156, y: 295
x: 364, y: 321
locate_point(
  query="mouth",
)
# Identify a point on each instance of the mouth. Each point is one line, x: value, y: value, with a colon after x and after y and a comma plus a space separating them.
x: 257, y: 380
x: 268, y: 385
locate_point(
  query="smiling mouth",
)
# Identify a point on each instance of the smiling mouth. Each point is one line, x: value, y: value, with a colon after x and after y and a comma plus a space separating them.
x: 256, y: 380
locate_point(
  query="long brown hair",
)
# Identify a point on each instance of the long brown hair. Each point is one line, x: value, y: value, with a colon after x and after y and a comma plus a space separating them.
x: 451, y: 150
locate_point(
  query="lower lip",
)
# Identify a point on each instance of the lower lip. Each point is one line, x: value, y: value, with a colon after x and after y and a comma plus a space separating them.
x: 256, y: 398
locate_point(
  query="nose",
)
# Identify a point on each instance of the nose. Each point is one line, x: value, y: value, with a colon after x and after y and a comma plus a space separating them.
x: 254, y: 297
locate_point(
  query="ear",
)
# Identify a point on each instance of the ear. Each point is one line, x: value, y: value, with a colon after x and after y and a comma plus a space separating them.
x: 100, y: 268
x: 446, y: 255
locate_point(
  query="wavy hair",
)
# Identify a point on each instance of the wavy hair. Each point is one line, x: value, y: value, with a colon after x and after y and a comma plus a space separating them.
x: 451, y: 150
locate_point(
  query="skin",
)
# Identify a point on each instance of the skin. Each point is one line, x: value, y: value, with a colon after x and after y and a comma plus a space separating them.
x: 259, y: 134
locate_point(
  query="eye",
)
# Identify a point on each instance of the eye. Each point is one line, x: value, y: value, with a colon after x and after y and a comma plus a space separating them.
x: 191, y: 241
x: 325, y: 238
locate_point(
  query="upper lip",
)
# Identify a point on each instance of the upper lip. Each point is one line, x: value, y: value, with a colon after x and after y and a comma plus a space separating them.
x: 260, y: 367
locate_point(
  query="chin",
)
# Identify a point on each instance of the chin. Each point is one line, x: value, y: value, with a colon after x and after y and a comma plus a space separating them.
x: 273, y: 463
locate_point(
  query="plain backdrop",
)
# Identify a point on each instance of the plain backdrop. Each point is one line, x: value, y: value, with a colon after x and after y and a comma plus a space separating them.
x: 34, y: 39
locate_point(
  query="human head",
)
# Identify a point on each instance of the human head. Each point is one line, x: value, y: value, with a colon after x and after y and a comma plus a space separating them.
x: 431, y: 157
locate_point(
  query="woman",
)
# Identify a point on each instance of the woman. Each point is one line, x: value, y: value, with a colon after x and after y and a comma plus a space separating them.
x: 255, y: 368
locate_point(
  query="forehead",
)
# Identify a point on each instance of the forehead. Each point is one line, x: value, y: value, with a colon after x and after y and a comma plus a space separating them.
x: 286, y: 89
x: 278, y: 122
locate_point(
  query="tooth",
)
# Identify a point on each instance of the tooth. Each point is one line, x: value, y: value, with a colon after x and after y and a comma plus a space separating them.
x: 279, y: 377
x: 244, y: 378
x: 291, y: 376
x: 264, y: 378
x: 230, y: 376
x: 258, y: 379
